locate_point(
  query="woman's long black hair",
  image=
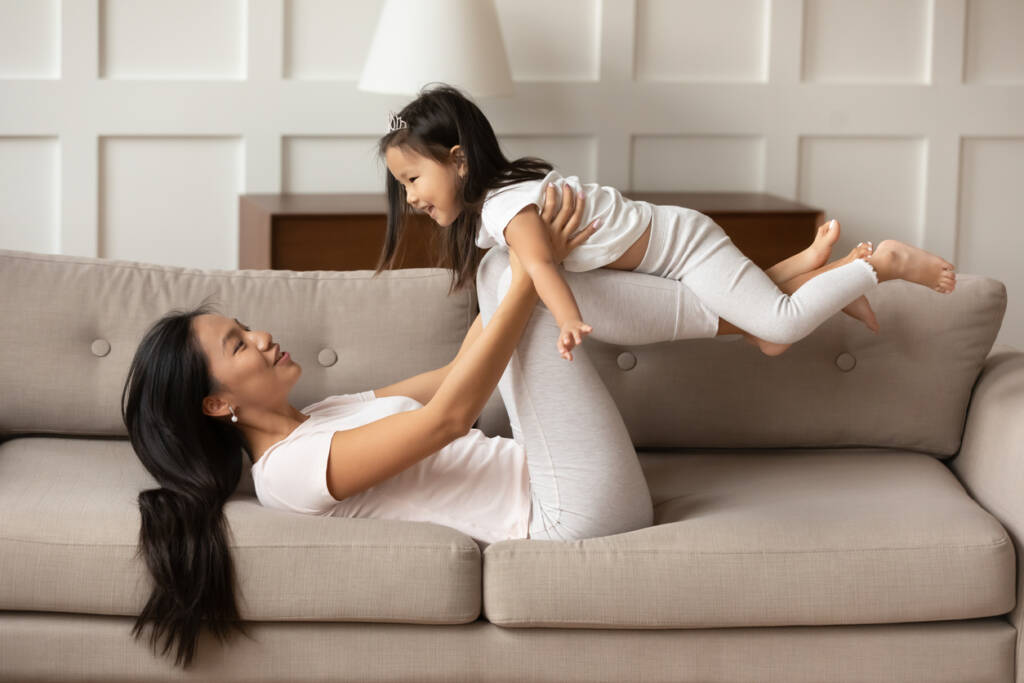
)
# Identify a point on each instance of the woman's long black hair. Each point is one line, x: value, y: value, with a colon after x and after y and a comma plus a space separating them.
x: 197, y: 461
x: 437, y: 120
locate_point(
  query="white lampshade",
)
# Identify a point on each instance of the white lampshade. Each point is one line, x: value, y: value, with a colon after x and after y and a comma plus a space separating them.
x: 457, y: 42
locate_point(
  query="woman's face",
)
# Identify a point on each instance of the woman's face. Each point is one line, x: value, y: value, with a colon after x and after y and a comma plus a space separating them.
x: 430, y: 186
x: 248, y: 364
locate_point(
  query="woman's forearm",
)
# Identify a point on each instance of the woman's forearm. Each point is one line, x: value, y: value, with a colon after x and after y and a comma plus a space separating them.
x: 467, y: 342
x: 476, y: 371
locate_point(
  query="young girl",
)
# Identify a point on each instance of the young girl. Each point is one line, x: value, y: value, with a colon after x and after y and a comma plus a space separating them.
x: 444, y: 160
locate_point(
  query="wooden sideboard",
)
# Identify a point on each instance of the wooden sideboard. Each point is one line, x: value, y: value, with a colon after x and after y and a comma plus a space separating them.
x: 346, y: 231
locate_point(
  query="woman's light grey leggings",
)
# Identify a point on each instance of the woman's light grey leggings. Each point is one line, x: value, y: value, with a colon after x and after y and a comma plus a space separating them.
x: 585, y: 478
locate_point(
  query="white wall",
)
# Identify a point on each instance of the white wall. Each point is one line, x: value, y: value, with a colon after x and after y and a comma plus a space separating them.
x: 129, y: 127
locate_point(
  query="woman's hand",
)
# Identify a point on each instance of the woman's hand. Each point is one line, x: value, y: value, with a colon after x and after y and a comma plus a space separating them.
x: 563, y: 223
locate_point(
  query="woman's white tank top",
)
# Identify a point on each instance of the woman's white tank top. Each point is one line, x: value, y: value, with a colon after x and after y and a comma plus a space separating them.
x: 477, y: 484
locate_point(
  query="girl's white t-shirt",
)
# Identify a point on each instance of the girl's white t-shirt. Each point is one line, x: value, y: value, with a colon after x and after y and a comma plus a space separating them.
x: 623, y: 220
x: 477, y: 484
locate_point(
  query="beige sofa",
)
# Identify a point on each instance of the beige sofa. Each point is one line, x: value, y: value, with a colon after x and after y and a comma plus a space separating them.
x: 848, y: 511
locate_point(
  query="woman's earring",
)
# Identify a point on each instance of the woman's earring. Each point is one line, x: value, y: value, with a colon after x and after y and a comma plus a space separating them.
x: 234, y: 418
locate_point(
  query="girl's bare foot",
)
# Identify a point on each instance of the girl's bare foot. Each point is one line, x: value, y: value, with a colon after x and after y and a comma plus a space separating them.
x: 898, y: 260
x: 811, y: 258
x: 821, y: 247
x: 860, y: 308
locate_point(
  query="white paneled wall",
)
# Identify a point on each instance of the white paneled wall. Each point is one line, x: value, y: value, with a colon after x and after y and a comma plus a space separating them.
x: 888, y: 173
x: 698, y: 163
x: 30, y: 193
x: 129, y: 127
x: 179, y: 40
x: 29, y: 39
x: 868, y: 41
x: 701, y: 41
x: 164, y: 195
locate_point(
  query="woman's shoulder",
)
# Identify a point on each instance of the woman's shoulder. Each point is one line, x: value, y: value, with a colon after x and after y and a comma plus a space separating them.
x: 339, y: 399
x: 337, y: 413
x: 346, y: 411
x: 326, y: 415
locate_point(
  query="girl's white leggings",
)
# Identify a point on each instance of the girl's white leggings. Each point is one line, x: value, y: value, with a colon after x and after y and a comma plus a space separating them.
x: 689, y: 247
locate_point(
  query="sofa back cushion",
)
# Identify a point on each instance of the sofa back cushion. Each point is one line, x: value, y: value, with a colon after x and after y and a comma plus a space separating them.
x: 71, y: 326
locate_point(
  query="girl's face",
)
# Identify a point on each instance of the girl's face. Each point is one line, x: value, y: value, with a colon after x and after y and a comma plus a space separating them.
x: 430, y: 186
x: 248, y: 363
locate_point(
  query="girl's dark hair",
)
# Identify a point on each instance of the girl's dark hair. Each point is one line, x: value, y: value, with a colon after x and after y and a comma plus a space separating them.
x: 437, y: 120
x: 197, y: 461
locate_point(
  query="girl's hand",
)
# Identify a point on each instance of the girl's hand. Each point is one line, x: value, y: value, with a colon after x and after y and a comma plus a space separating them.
x: 562, y: 224
x: 571, y: 335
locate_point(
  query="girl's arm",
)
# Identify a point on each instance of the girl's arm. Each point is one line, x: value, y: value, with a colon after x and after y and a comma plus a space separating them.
x: 527, y: 238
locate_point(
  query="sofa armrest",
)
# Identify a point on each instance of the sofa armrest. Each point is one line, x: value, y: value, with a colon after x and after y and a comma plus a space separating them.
x: 990, y: 463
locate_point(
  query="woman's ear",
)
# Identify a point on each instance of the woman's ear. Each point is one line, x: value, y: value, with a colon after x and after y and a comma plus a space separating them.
x: 215, y: 406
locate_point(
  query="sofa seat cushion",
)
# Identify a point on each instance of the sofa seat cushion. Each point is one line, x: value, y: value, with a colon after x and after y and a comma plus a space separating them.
x: 69, y: 527
x: 769, y: 538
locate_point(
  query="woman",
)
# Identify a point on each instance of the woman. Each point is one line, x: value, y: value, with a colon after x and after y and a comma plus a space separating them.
x: 201, y: 387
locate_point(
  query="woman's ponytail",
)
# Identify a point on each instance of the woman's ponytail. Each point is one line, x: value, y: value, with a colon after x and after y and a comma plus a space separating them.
x: 196, y: 459
x: 184, y: 543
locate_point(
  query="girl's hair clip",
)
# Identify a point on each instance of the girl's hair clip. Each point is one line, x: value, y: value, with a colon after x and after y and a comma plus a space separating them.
x: 395, y: 122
